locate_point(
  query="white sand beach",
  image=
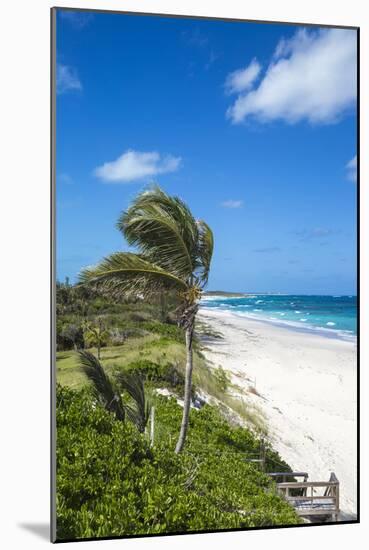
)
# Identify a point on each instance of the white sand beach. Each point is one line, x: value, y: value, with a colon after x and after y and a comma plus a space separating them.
x: 306, y: 388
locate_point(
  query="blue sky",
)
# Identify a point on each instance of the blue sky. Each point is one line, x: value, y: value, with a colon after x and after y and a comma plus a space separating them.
x: 253, y: 125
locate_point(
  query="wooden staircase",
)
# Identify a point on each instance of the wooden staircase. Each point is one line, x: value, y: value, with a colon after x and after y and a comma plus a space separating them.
x: 312, y: 500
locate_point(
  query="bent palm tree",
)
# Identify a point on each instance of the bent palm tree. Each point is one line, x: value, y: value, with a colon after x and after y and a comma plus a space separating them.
x: 138, y: 411
x: 174, y: 253
x: 104, y: 390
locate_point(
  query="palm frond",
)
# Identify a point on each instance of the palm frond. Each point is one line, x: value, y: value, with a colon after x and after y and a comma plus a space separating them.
x: 164, y: 230
x: 139, y: 411
x: 125, y: 273
x: 205, y: 251
x: 103, y: 387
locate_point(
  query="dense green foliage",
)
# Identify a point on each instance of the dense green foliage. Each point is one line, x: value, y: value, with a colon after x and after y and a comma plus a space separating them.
x: 110, y: 482
x: 166, y: 375
x: 80, y: 307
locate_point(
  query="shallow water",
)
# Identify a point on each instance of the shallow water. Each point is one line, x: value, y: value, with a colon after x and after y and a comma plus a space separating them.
x: 330, y: 315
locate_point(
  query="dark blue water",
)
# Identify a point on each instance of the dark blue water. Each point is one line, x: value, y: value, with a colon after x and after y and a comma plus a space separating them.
x: 330, y: 315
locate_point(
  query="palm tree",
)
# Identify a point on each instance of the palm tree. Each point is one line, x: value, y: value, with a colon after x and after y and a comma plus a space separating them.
x: 96, y: 334
x: 104, y: 389
x: 137, y: 411
x: 174, y: 253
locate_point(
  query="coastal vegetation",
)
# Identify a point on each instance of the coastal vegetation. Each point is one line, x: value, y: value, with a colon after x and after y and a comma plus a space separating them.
x: 111, y: 481
x: 151, y: 437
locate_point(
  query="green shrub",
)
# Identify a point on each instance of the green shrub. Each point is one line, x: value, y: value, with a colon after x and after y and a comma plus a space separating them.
x: 163, y: 375
x: 170, y: 331
x: 110, y: 482
x: 222, y: 378
x: 69, y: 334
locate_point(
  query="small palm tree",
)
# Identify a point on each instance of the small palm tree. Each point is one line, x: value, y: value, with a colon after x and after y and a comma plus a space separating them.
x: 174, y: 253
x: 96, y: 334
x: 104, y: 389
x: 138, y: 411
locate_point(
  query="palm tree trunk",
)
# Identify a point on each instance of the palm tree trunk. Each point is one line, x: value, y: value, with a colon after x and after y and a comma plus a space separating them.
x: 188, y: 387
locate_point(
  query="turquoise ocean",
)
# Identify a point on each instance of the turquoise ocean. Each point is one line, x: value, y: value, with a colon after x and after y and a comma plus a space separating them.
x: 334, y: 316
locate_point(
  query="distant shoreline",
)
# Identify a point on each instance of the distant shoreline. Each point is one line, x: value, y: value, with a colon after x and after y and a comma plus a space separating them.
x: 224, y: 294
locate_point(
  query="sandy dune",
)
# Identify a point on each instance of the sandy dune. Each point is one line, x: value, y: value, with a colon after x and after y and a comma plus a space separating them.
x: 307, y: 392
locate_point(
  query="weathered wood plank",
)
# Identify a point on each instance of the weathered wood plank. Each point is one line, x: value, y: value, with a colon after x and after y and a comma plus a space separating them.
x: 288, y: 474
x: 301, y: 484
x: 314, y: 497
x: 312, y: 505
x: 314, y: 512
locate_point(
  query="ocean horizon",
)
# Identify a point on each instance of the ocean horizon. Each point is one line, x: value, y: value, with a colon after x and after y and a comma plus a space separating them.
x: 330, y: 315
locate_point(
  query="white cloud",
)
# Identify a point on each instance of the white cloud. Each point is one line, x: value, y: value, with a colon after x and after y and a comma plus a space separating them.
x: 311, y: 77
x: 351, y: 169
x: 242, y: 79
x: 67, y: 79
x: 136, y: 165
x: 232, y: 204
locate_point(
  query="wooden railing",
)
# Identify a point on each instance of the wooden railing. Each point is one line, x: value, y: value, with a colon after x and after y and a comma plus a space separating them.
x: 302, y: 495
x: 283, y: 476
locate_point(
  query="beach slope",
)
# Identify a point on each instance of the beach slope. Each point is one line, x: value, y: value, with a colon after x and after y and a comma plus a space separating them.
x: 305, y: 385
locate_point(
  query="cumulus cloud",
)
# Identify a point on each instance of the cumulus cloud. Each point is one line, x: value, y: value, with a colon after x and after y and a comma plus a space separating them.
x: 242, y: 79
x: 311, y: 77
x: 232, y: 204
x: 67, y: 79
x: 136, y: 165
x: 351, y: 169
